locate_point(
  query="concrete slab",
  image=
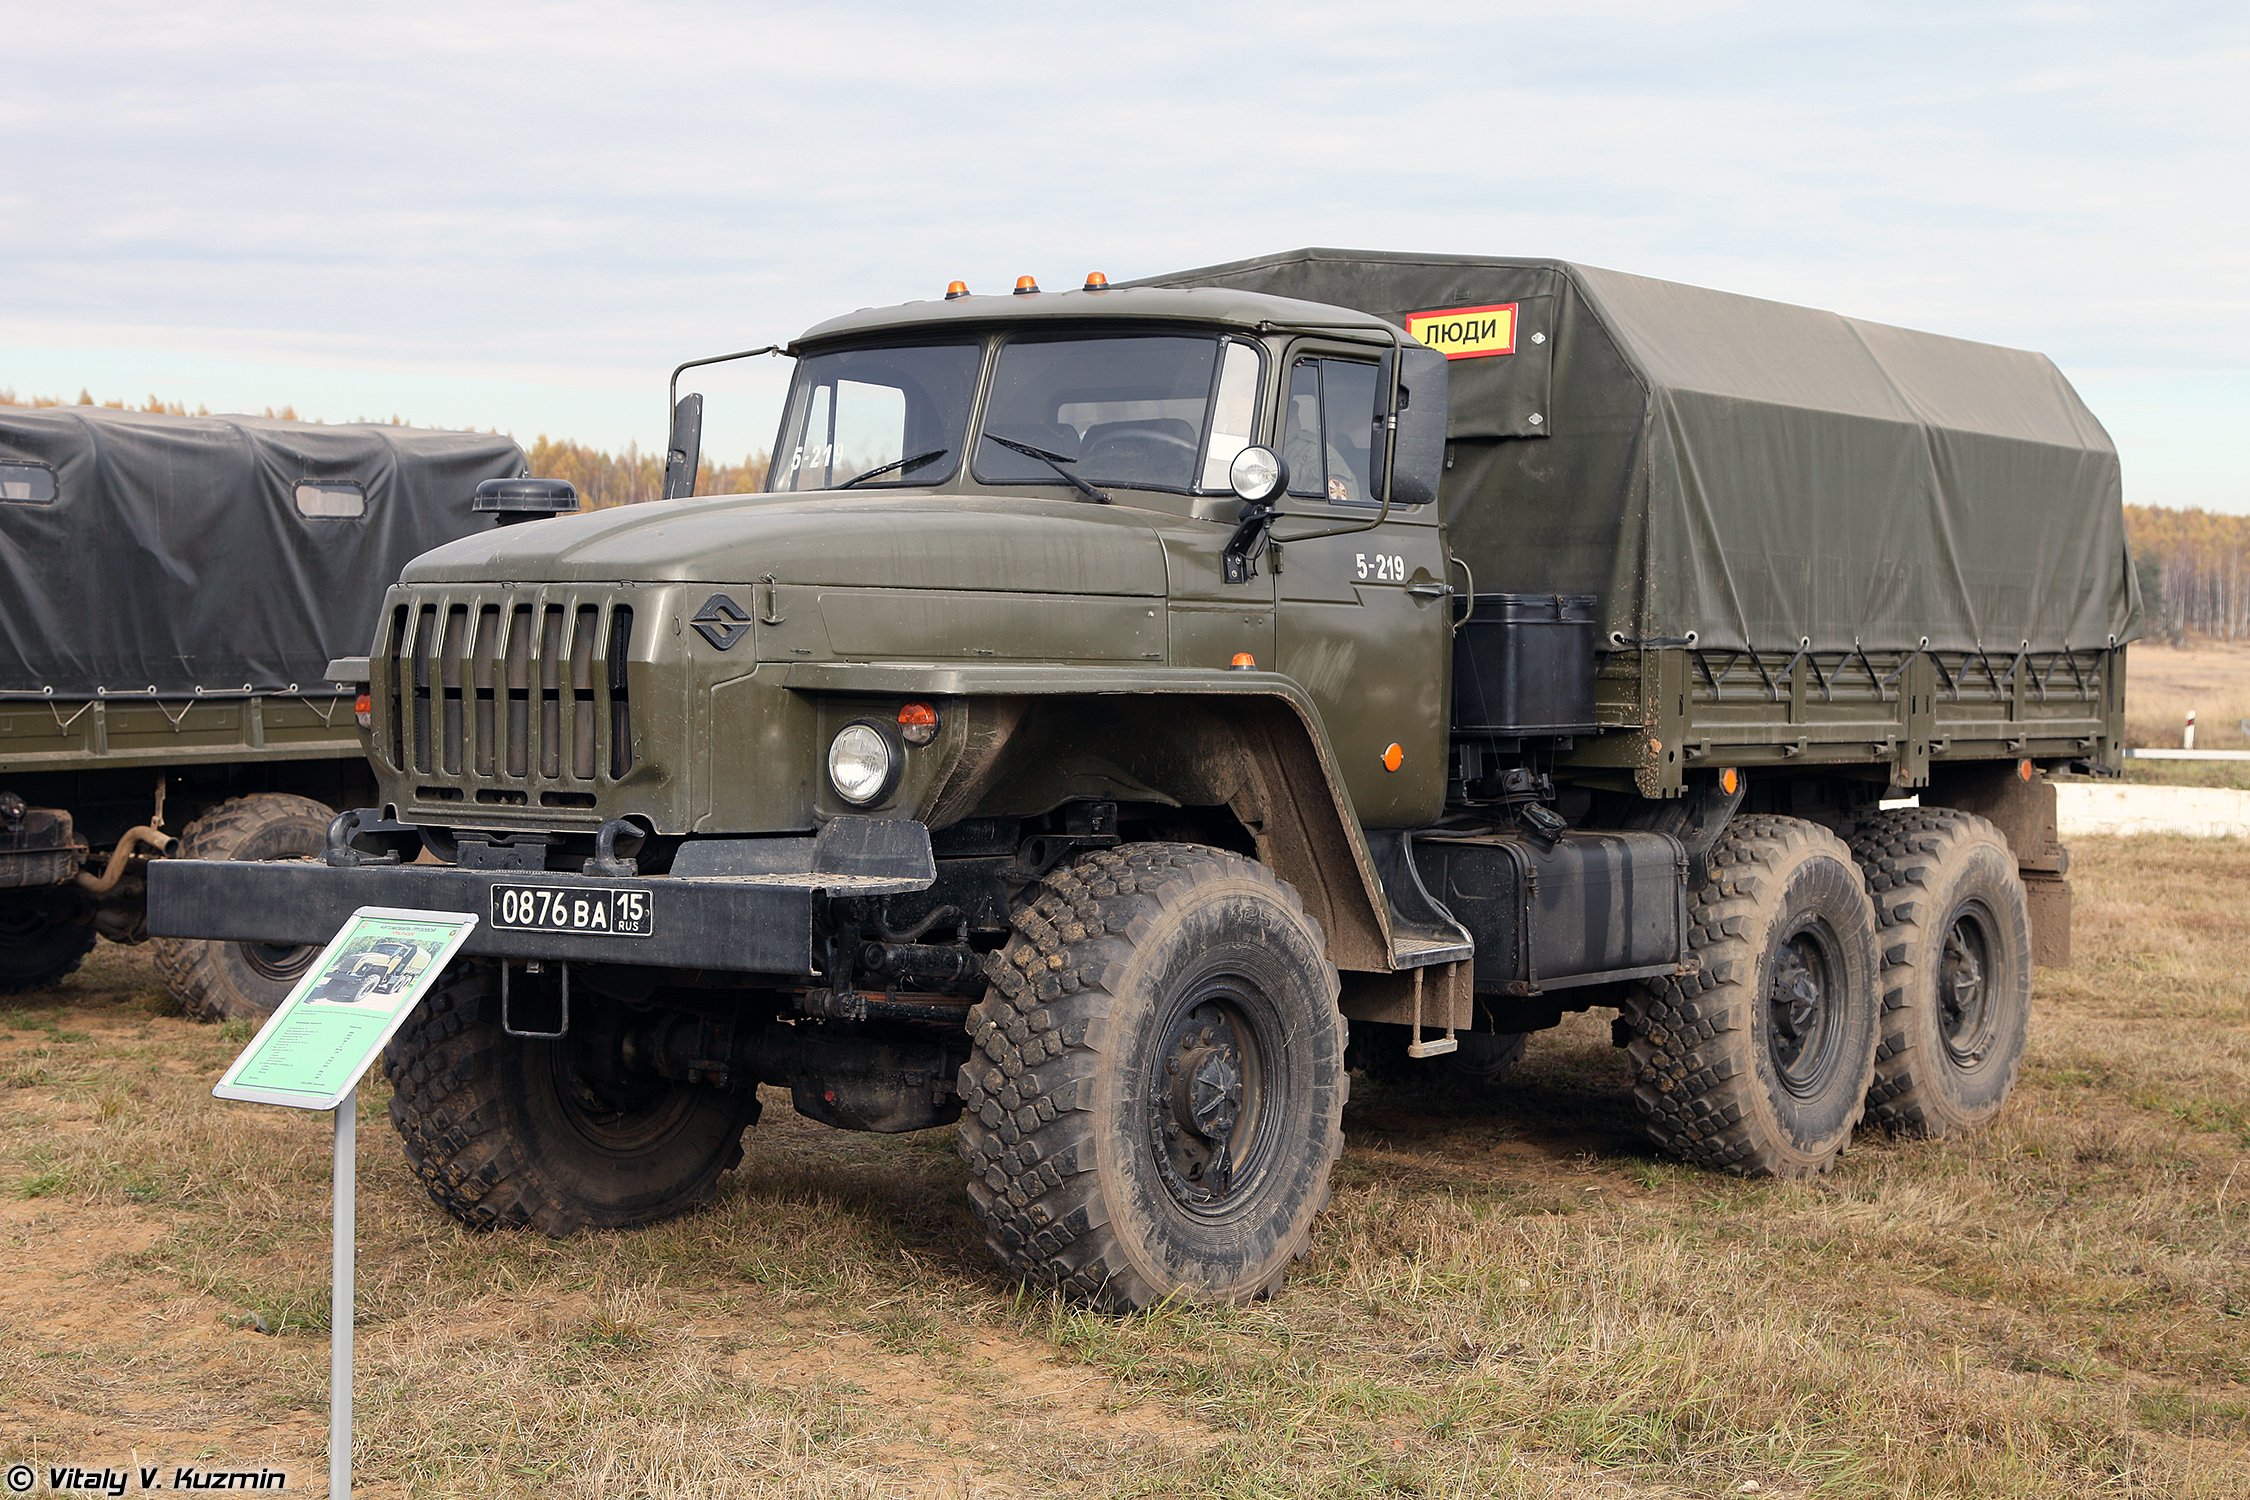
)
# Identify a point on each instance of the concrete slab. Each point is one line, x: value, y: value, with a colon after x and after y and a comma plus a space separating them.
x: 2200, y: 812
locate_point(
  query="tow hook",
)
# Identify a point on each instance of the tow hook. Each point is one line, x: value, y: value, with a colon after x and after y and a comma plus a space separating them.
x: 606, y: 860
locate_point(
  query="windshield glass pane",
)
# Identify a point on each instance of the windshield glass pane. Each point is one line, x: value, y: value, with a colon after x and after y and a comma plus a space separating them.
x: 859, y: 410
x: 1118, y: 409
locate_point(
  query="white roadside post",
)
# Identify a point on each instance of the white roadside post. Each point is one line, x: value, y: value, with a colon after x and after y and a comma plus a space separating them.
x: 2187, y: 740
x: 312, y: 1053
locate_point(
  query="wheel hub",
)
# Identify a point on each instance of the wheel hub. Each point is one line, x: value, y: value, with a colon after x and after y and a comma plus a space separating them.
x: 615, y: 1107
x: 280, y: 962
x: 1800, y: 1033
x: 1796, y: 999
x: 1207, y: 1090
x: 1964, y: 990
x: 1205, y: 1107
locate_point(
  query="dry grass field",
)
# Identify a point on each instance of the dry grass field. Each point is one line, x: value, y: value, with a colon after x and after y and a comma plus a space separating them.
x: 2163, y: 682
x: 1509, y: 1297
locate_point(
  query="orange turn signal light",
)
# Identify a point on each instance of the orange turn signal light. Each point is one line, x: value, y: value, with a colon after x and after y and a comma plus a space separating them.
x: 1729, y: 779
x: 917, y: 723
x: 1025, y: 286
x: 363, y: 710
x: 1096, y: 282
x: 1393, y: 756
x: 1243, y: 662
x: 956, y: 290
x: 2023, y: 769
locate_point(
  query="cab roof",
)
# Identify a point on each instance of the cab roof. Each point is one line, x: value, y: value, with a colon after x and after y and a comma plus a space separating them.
x: 1226, y: 306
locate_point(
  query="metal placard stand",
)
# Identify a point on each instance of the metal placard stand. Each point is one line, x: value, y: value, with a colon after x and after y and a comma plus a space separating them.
x: 344, y: 1254
x: 312, y: 1053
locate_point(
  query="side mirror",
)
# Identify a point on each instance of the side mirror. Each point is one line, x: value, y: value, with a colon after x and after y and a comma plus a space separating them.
x: 684, y: 454
x: 1419, y: 433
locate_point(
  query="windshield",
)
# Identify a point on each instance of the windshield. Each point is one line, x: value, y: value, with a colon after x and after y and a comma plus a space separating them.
x: 1152, y: 411
x: 900, y: 411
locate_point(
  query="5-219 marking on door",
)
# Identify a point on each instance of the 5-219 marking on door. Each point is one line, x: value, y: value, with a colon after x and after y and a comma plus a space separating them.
x: 1379, y: 567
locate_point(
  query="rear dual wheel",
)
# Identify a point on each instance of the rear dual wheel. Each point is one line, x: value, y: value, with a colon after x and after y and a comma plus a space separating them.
x: 1759, y: 1062
x: 1956, y: 982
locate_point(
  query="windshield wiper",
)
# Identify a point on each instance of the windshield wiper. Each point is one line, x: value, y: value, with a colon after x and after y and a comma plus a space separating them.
x: 912, y: 461
x: 1053, y: 461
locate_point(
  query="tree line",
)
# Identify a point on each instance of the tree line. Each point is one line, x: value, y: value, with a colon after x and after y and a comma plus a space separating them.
x: 2193, y: 564
x: 603, y: 478
x: 2194, y: 568
x: 154, y: 404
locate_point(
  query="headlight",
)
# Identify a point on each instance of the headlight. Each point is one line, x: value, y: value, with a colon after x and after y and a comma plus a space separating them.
x: 862, y: 765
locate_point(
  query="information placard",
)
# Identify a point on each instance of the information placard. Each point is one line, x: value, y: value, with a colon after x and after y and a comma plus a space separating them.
x: 311, y: 1052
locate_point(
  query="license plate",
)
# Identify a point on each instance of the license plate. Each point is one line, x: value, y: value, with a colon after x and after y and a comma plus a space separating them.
x: 594, y: 911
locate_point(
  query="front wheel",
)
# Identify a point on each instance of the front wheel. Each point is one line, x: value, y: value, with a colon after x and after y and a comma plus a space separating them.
x: 555, y: 1135
x: 214, y: 980
x: 1157, y: 1098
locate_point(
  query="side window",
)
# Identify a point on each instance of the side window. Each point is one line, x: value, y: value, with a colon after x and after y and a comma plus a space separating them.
x: 331, y: 499
x: 26, y: 483
x: 1327, y: 429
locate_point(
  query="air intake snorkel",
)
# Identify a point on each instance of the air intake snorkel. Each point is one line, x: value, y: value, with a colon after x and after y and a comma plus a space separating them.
x: 514, y: 500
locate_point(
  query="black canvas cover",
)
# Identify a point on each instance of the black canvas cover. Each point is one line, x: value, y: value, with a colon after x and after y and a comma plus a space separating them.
x: 1750, y: 473
x: 140, y: 551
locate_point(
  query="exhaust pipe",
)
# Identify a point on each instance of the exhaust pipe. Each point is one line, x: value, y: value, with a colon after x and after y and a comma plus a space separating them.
x: 121, y: 856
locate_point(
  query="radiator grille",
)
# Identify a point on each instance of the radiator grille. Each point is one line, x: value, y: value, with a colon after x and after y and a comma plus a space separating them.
x: 512, y: 701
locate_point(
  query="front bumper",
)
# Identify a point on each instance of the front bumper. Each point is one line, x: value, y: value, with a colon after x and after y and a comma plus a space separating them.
x: 759, y: 918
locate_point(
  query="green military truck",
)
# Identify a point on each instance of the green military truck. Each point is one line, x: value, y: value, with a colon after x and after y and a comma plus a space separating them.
x: 176, y: 587
x: 1119, y: 691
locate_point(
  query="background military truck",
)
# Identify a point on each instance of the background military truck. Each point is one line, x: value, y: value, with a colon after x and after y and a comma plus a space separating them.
x: 1119, y: 689
x: 175, y: 589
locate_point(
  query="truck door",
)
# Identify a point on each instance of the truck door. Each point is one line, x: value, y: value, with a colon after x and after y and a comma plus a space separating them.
x: 1364, y: 620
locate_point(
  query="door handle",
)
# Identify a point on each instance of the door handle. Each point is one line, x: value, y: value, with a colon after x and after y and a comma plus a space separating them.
x: 1430, y: 590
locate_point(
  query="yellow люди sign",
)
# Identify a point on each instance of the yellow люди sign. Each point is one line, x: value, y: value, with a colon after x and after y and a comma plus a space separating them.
x: 1466, y: 332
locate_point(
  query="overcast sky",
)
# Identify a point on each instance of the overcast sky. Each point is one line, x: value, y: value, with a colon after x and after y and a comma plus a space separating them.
x: 521, y: 217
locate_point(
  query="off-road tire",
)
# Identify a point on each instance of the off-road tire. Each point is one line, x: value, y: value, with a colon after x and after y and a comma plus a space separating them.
x: 1069, y: 1129
x: 214, y: 980
x: 1952, y: 917
x: 1482, y: 1061
x: 1725, y: 1072
x: 495, y: 1128
x: 45, y: 934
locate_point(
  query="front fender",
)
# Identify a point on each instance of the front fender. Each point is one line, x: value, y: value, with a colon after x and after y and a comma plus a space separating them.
x: 1246, y: 741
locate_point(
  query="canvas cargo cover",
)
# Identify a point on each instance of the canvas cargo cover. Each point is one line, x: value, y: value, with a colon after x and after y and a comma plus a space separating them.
x: 172, y: 554
x: 1747, y: 472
